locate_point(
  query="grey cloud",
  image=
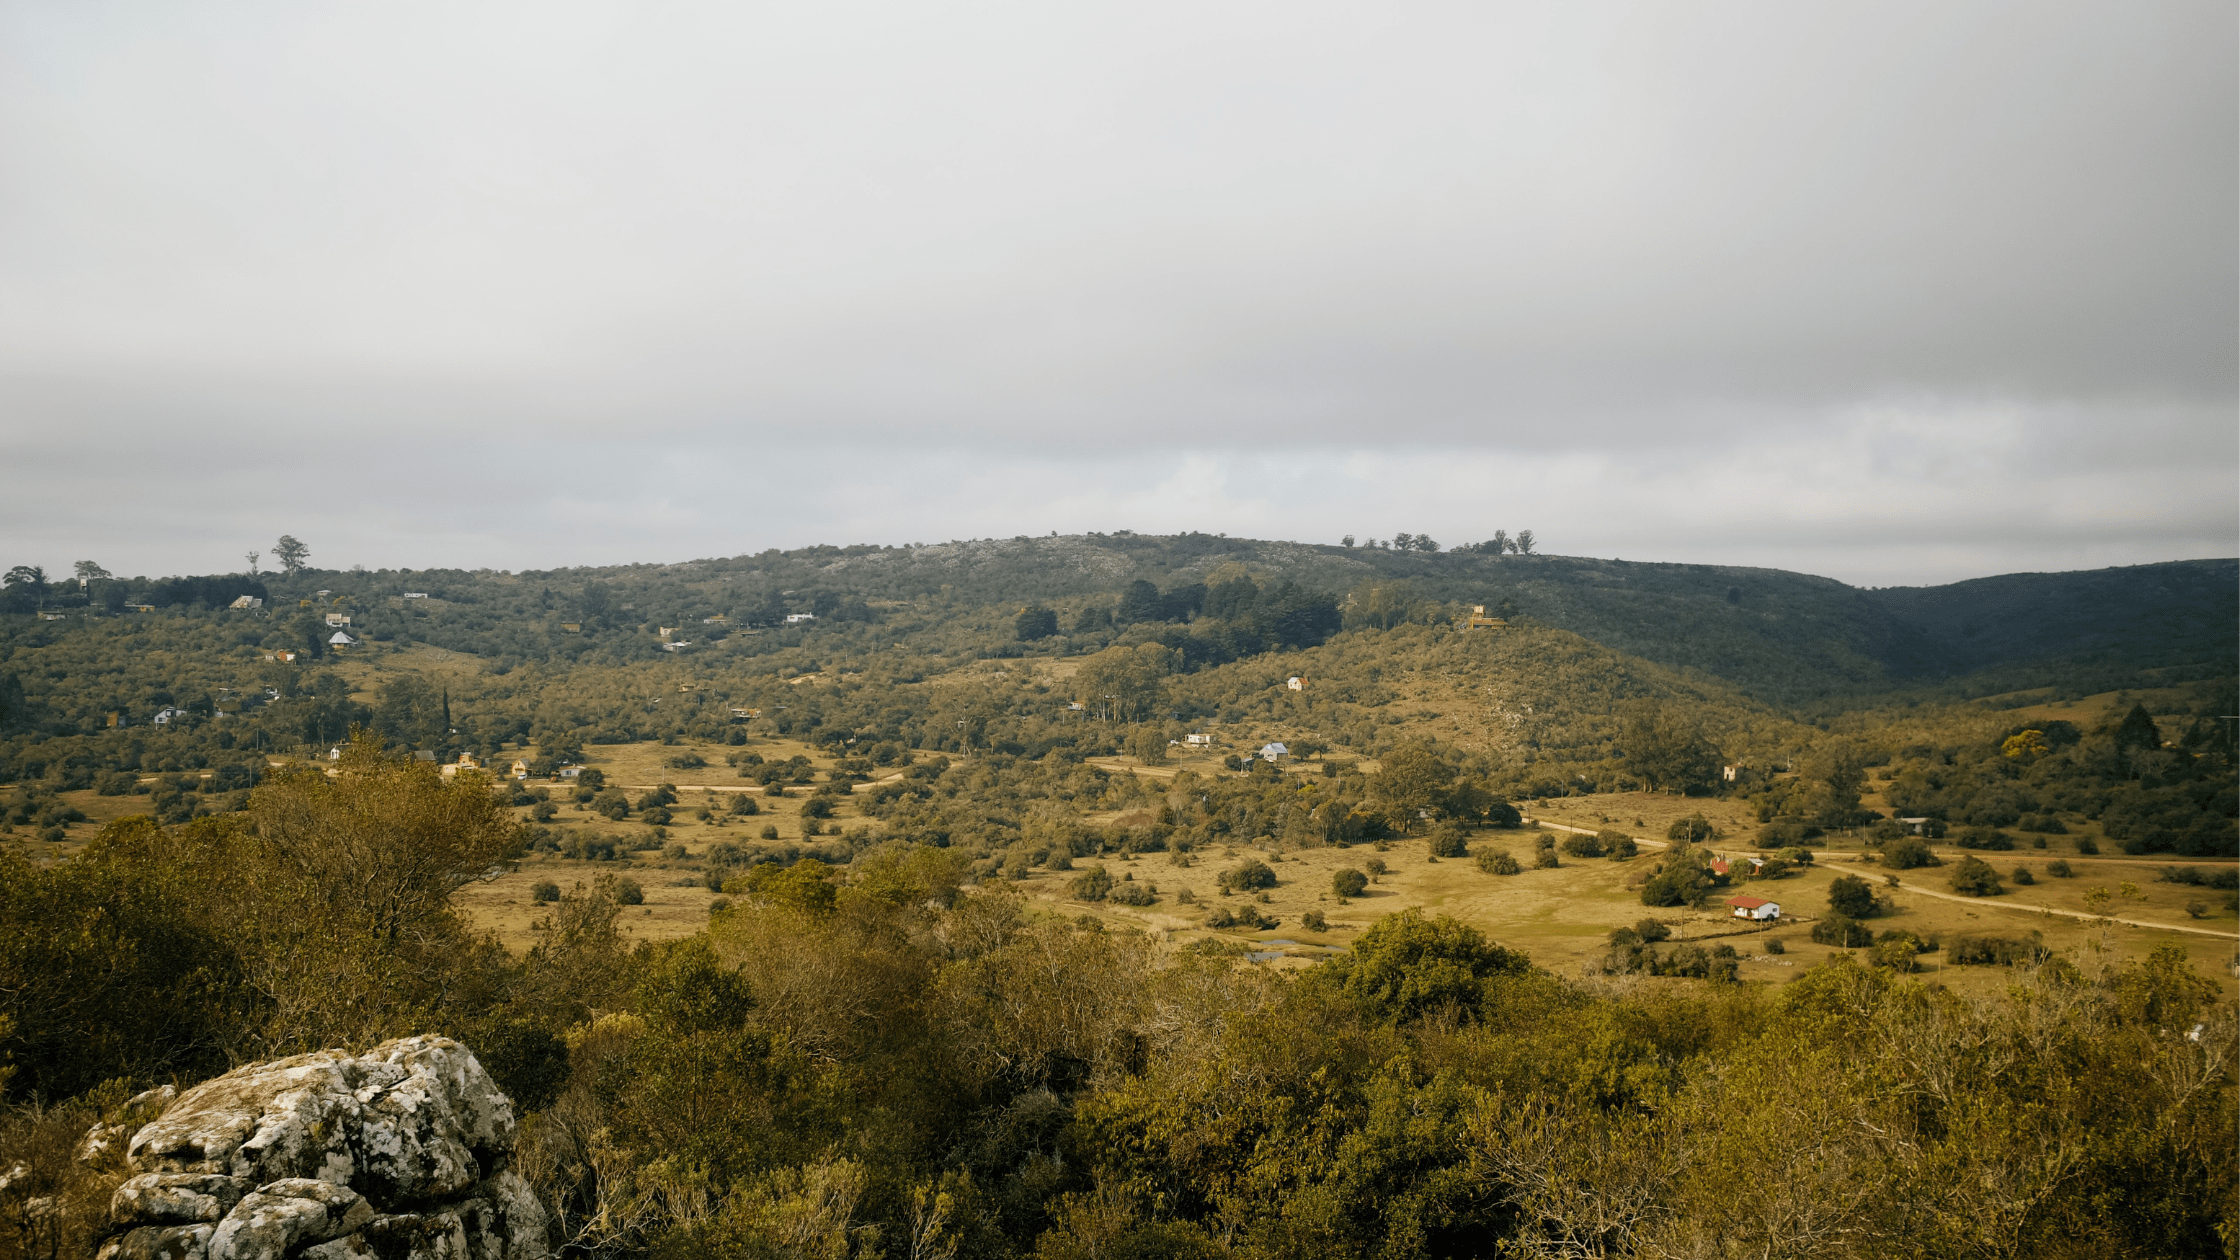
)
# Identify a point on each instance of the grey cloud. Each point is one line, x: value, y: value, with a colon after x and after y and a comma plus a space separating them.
x: 589, y: 262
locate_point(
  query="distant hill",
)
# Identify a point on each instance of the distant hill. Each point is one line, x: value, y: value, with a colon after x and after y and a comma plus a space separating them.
x: 1780, y: 637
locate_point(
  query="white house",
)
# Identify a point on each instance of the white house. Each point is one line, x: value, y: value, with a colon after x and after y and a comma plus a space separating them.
x: 166, y: 714
x: 1273, y: 752
x: 415, y: 594
x: 1296, y: 683
x: 1197, y: 741
x: 1756, y: 909
x: 338, y: 619
x: 795, y: 619
x: 339, y: 639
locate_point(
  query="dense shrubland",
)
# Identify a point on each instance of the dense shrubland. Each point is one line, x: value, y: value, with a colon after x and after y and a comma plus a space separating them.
x: 890, y: 1056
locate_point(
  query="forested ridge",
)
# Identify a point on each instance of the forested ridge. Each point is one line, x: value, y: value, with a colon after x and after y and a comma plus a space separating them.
x: 879, y: 1046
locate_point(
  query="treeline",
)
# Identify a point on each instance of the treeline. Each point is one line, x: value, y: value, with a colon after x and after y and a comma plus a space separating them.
x: 892, y: 1060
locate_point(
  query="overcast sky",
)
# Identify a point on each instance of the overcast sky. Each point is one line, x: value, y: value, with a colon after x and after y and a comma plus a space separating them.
x: 1893, y: 292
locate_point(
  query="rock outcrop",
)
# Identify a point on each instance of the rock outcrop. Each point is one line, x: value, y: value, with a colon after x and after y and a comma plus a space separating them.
x: 400, y: 1154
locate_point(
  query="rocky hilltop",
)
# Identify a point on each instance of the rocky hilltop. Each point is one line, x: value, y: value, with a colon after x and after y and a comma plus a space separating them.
x: 400, y: 1154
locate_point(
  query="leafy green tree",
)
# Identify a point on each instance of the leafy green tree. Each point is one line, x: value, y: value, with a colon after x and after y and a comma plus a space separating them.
x: 1662, y: 746
x: 1851, y: 897
x: 1524, y: 542
x: 1034, y: 623
x: 1348, y: 882
x: 2138, y: 730
x: 1140, y: 602
x: 291, y: 554
x: 1409, y: 781
x: 1974, y: 877
x: 1405, y: 966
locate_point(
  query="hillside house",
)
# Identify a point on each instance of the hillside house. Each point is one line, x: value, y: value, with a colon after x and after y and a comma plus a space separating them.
x: 415, y: 594
x: 340, y: 640
x: 1755, y: 909
x: 246, y: 602
x: 168, y: 714
x: 1197, y: 741
x: 1297, y: 683
x: 1273, y: 752
x: 1720, y: 866
x: 571, y: 627
x: 744, y: 715
x: 520, y: 768
x: 569, y: 772
x: 718, y: 620
x: 1478, y: 620
x: 423, y: 754
x: 338, y: 619
x: 795, y: 619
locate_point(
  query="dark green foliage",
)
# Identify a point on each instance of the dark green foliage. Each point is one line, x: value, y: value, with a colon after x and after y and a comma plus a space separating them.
x: 628, y: 893
x: 1851, y: 897
x: 1694, y: 829
x: 1838, y: 930
x: 544, y: 890
x: 1498, y: 862
x: 1974, y: 877
x: 1583, y: 846
x: 1248, y: 876
x: 1449, y: 841
x: 1907, y: 852
x: 1348, y: 882
x: 1406, y: 965
x: 1990, y: 948
x: 1093, y: 884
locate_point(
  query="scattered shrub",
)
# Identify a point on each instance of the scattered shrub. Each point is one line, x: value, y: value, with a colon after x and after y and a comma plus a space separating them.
x: 1975, y: 878
x: 544, y: 890
x: 1651, y: 931
x: 1090, y: 885
x: 1851, y: 897
x: 1622, y: 848
x: 1976, y: 949
x: 1583, y: 846
x: 1694, y: 829
x: 1839, y: 930
x: 2022, y: 875
x: 1907, y: 852
x: 1775, y: 946
x: 1313, y: 921
x: 1248, y: 876
x: 1348, y: 882
x: 1987, y: 838
x: 1448, y: 841
x: 627, y: 892
x: 1129, y: 893
x: 1546, y: 861
x: 2086, y: 846
x: 2059, y: 869
x: 1498, y: 862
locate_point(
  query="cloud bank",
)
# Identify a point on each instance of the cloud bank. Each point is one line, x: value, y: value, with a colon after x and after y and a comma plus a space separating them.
x: 1896, y: 293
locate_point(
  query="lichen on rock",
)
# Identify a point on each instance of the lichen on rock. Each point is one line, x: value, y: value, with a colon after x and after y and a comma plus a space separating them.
x: 400, y: 1153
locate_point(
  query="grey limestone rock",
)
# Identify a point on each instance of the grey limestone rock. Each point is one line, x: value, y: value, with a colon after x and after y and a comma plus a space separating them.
x: 399, y: 1153
x: 281, y: 1216
x: 159, y: 1242
x: 175, y: 1198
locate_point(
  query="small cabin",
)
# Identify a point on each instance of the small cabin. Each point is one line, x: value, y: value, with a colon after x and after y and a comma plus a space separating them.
x: 338, y: 619
x: 1755, y: 909
x: 340, y: 639
x: 1296, y: 683
x: 795, y: 619
x: 1273, y: 752
x: 1197, y: 741
x: 520, y: 768
x: 572, y: 627
x: 168, y: 714
x: 246, y: 602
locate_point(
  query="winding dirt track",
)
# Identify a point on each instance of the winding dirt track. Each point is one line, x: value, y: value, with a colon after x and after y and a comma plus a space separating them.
x: 2019, y: 907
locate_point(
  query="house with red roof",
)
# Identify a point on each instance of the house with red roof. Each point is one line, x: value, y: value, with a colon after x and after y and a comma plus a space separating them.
x: 1757, y: 909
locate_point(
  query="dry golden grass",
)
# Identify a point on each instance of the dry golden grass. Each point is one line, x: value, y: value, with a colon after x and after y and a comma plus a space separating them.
x: 504, y: 906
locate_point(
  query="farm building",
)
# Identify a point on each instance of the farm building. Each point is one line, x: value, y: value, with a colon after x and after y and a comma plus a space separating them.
x: 1197, y: 741
x: 1273, y: 752
x: 340, y: 639
x: 166, y: 715
x: 1757, y: 909
x: 1479, y: 621
x: 795, y: 619
x: 246, y: 602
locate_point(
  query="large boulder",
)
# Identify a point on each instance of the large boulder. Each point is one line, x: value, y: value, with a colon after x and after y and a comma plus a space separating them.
x: 400, y: 1153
